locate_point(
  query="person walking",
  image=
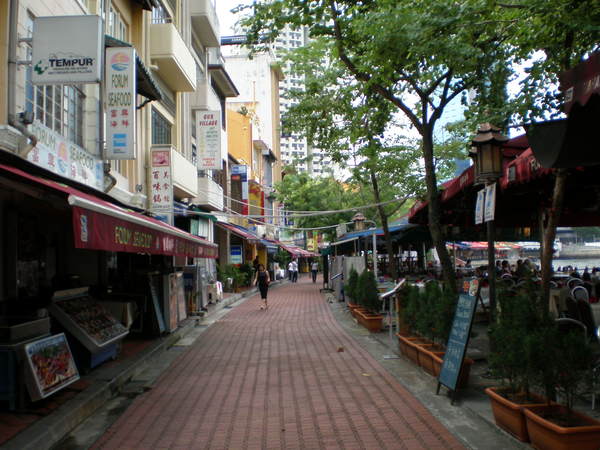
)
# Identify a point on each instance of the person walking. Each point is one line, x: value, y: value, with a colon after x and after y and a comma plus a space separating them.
x: 291, y: 271
x: 294, y: 271
x: 314, y: 268
x: 262, y: 280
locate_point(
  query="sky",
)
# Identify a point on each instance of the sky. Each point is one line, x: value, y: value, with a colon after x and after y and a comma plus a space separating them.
x: 226, y: 18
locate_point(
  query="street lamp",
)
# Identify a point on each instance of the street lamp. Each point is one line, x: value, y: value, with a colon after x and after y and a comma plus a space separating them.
x: 359, y: 221
x: 486, y: 150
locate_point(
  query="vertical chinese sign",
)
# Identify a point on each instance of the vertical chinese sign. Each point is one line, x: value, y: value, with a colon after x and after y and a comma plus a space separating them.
x: 161, y: 188
x: 239, y: 172
x: 209, y: 140
x: 120, y: 103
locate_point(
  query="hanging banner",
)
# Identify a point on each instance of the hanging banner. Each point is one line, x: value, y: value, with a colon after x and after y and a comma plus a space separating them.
x: 161, y: 190
x: 120, y: 88
x: 490, y: 202
x: 208, y: 128
x: 56, y: 154
x: 479, y: 207
x: 67, y: 49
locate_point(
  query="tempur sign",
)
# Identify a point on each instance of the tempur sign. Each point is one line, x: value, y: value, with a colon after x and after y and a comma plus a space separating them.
x: 67, y: 49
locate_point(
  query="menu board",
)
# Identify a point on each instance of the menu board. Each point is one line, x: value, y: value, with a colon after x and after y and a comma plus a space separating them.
x: 88, y: 321
x: 459, y: 336
x: 49, y: 366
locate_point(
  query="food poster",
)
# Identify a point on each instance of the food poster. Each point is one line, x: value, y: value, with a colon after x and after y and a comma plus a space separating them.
x: 171, y: 299
x: 49, y: 365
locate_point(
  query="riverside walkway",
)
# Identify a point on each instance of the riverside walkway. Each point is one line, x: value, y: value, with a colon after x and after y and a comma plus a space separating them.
x: 286, y: 378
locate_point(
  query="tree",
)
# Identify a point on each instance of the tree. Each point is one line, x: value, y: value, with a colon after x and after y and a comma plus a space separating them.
x: 416, y: 55
x: 558, y: 35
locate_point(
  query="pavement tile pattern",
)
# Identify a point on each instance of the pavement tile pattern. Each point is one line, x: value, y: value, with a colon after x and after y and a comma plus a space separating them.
x: 285, y: 378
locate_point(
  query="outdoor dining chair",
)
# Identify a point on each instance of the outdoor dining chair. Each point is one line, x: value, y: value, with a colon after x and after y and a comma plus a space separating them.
x: 572, y: 309
x: 580, y: 293
x: 587, y: 317
x: 572, y: 282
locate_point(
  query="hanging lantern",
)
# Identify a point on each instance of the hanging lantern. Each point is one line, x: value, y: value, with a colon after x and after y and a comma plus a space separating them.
x: 486, y: 151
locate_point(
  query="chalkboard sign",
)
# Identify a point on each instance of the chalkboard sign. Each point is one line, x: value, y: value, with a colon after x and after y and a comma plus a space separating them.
x: 459, y: 337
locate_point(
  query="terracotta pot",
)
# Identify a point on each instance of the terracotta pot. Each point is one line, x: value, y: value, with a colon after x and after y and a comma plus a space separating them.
x: 509, y: 415
x: 403, y: 340
x: 546, y: 435
x: 463, y: 378
x: 412, y: 348
x: 425, y: 357
x: 372, y: 322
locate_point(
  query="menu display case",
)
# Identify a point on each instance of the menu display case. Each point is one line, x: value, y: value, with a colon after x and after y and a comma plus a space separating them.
x: 86, y: 319
x: 49, y: 366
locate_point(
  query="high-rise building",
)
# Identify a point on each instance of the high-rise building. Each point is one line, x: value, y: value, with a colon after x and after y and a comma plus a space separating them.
x: 295, y: 149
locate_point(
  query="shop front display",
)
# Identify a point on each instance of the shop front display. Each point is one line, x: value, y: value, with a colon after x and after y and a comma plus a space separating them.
x: 89, y: 323
x: 49, y: 366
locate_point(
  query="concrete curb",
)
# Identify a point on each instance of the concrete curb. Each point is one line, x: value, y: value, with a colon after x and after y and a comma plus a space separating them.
x: 106, y: 383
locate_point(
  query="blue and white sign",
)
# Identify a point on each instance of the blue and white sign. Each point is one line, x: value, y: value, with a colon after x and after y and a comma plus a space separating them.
x: 235, y: 254
x: 120, y: 89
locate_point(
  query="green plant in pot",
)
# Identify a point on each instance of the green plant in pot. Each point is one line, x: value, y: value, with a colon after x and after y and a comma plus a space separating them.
x: 350, y: 286
x: 563, y: 369
x: 369, y: 300
x: 516, y: 344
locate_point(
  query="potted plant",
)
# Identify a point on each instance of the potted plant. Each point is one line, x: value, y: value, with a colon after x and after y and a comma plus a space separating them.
x: 567, y: 368
x: 350, y: 290
x: 517, y: 340
x: 369, y: 317
x: 409, y: 303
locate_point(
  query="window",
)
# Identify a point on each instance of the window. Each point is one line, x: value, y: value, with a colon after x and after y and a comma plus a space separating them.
x: 161, y: 129
x: 161, y: 15
x: 58, y: 107
x: 117, y: 27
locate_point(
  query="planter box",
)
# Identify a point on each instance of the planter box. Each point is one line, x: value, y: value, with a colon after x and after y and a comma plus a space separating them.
x: 412, y: 348
x: 403, y: 340
x: 372, y: 322
x: 509, y: 415
x: 463, y: 378
x: 425, y: 357
x: 546, y: 435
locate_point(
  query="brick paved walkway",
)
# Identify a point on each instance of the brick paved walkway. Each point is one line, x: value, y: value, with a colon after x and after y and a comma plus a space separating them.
x: 276, y: 380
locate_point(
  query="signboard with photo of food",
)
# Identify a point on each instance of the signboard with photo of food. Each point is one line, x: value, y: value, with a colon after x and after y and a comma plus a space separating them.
x: 50, y: 366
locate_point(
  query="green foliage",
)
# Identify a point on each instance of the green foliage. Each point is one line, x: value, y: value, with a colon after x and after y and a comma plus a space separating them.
x: 231, y: 271
x: 247, y: 271
x: 367, y: 292
x: 282, y: 257
x: 350, y: 285
x: 443, y: 314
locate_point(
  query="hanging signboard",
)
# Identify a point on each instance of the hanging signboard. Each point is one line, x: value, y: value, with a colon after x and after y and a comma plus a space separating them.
x: 490, y: 202
x: 161, y: 192
x: 120, y: 89
x: 49, y: 366
x: 235, y: 254
x: 67, y: 49
x: 479, y: 207
x: 56, y: 154
x: 208, y: 127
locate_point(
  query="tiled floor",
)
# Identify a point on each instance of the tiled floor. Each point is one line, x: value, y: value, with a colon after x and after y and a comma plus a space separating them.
x: 275, y: 379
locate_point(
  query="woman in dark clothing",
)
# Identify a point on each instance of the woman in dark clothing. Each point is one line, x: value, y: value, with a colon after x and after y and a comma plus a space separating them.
x: 262, y: 280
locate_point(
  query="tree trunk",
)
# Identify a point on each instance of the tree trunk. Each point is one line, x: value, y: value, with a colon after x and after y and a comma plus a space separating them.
x: 384, y: 223
x: 435, y: 227
x: 558, y: 195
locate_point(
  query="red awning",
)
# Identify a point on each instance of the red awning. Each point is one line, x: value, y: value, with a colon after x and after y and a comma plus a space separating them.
x: 239, y: 231
x: 581, y: 82
x: 101, y: 225
x: 522, y: 169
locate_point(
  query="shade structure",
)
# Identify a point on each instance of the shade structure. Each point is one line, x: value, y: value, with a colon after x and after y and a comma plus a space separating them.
x: 101, y: 225
x: 240, y: 231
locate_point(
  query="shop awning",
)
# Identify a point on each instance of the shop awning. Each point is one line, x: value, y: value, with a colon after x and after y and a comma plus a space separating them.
x: 239, y: 231
x: 101, y: 225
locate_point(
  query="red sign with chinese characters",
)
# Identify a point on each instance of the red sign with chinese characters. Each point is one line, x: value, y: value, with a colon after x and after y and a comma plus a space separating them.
x: 97, y: 231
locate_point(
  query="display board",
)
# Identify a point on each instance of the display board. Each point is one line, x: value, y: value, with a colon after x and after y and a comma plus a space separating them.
x: 86, y: 319
x: 49, y: 366
x: 171, y: 300
x: 154, y: 285
x: 459, y: 335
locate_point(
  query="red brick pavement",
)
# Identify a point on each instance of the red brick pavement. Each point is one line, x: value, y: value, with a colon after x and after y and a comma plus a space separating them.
x: 275, y: 380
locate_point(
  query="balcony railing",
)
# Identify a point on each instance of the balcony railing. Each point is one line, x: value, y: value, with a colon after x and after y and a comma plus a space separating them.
x: 205, y: 22
x: 210, y: 194
x: 176, y: 65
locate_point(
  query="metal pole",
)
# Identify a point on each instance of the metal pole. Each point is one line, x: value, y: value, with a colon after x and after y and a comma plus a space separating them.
x: 392, y: 298
x: 375, y: 253
x: 491, y: 267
